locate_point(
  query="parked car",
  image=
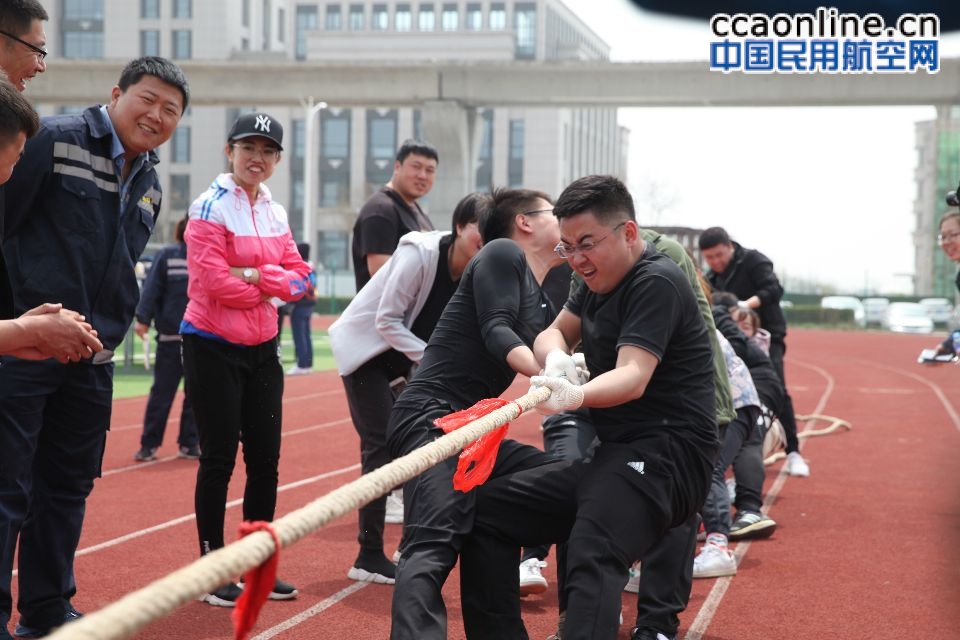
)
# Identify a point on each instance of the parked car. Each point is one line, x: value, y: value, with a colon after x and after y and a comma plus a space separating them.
x: 907, y: 317
x: 873, y: 309
x: 940, y: 310
x: 846, y: 302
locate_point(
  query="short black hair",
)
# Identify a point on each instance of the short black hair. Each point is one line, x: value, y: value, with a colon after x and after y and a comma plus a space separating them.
x: 712, y: 237
x: 181, y: 228
x: 606, y: 197
x: 16, y: 15
x: 469, y: 210
x: 724, y: 299
x: 417, y: 147
x: 16, y: 113
x: 505, y: 205
x: 158, y: 67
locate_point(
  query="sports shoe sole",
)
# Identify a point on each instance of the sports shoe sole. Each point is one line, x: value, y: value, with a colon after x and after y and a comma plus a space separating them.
x: 209, y: 598
x: 532, y: 587
x: 719, y: 572
x: 362, y: 575
x: 755, y: 531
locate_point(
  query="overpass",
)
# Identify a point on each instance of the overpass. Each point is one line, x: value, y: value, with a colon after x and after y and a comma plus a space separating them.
x: 505, y: 84
x: 449, y: 94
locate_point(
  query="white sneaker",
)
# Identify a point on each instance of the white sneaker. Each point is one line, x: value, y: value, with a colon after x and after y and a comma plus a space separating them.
x: 394, y: 507
x: 732, y: 489
x: 714, y: 561
x: 531, y: 580
x: 299, y: 371
x: 797, y: 466
x: 633, y: 582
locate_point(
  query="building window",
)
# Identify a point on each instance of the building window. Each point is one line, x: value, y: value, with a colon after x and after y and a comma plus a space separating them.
x: 515, y: 162
x: 281, y: 25
x: 450, y: 18
x: 355, y: 21
x: 485, y: 156
x: 474, y: 17
x: 299, y: 139
x: 426, y: 18
x: 182, y: 44
x: 180, y: 197
x: 149, y: 9
x: 150, y: 42
x: 82, y: 28
x: 335, y: 136
x: 245, y: 13
x: 266, y: 34
x: 334, y: 20
x: 525, y: 22
x: 180, y: 144
x: 382, y: 136
x: 402, y: 19
x: 380, y: 20
x: 182, y: 8
x: 498, y: 16
x: 304, y: 22
x: 334, y: 249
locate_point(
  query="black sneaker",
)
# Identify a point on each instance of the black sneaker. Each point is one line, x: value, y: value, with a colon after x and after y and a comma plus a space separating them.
x: 189, y: 453
x: 281, y: 590
x: 374, y: 568
x: 225, y: 596
x: 748, y: 525
x: 649, y: 633
x: 146, y: 454
x: 23, y: 631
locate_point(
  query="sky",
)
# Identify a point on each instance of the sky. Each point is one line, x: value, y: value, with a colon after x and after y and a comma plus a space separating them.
x: 827, y: 193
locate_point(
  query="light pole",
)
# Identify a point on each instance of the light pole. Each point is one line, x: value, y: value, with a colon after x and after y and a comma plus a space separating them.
x: 309, y: 172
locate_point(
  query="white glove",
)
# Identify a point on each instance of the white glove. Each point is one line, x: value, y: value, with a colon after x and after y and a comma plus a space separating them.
x: 564, y: 396
x: 743, y: 305
x: 583, y: 374
x: 560, y: 364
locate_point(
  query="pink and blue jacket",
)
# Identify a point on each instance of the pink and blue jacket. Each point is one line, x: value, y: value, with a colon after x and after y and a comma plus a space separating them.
x: 225, y: 231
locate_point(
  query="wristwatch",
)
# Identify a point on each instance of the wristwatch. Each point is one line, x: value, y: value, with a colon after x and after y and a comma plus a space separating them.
x: 247, y: 274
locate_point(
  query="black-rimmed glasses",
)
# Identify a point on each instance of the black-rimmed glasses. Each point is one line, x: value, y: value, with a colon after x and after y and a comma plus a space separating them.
x: 565, y: 250
x: 41, y: 53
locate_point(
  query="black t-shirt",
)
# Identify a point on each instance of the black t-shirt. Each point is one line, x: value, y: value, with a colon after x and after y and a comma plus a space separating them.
x: 652, y: 308
x: 382, y: 221
x: 440, y: 293
x: 6, y: 293
x: 497, y: 307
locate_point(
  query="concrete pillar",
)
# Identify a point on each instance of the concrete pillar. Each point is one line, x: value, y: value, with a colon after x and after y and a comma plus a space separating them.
x: 454, y: 130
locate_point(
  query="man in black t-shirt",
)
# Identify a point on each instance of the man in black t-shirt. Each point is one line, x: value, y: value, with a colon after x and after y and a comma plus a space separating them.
x: 651, y: 399
x: 393, y: 211
x: 481, y: 341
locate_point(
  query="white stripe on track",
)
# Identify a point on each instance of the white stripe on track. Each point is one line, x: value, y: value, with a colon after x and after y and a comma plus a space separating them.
x: 936, y: 390
x: 315, y: 610
x: 712, y: 602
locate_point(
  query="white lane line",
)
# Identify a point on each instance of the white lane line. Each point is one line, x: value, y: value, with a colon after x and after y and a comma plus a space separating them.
x: 315, y: 610
x: 947, y: 406
x: 293, y: 432
x: 712, y: 602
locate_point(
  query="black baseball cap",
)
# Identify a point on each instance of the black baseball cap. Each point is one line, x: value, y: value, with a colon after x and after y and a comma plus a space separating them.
x: 257, y: 124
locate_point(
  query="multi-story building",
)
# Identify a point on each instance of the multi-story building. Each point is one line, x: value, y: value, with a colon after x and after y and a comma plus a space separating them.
x: 937, y: 172
x: 543, y: 148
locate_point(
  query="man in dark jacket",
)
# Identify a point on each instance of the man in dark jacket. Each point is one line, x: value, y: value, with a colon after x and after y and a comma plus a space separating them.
x: 80, y: 208
x: 749, y: 275
x: 163, y: 301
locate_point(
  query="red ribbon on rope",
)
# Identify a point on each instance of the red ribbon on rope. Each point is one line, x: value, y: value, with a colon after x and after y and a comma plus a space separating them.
x: 477, y: 459
x: 258, y: 583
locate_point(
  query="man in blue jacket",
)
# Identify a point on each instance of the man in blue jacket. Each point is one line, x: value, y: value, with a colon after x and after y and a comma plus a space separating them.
x: 80, y: 207
x: 163, y: 301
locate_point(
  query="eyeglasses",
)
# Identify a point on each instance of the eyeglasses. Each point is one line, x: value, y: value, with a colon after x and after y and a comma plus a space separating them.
x: 947, y: 237
x: 536, y: 211
x: 565, y: 250
x: 267, y: 153
x: 40, y: 53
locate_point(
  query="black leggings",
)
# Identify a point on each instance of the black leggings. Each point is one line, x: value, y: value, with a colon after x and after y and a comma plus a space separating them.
x: 237, y: 395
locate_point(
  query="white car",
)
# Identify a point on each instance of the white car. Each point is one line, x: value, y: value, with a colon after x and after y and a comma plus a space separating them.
x: 907, y: 317
x: 940, y: 310
x: 874, y: 308
x: 846, y: 302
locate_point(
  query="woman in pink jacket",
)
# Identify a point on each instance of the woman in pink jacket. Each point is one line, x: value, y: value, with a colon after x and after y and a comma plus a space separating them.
x: 240, y: 255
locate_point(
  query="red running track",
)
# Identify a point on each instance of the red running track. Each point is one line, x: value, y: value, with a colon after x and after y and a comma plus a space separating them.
x: 865, y: 546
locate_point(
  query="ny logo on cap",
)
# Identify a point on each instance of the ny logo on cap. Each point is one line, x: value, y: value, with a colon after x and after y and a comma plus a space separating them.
x: 262, y: 123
